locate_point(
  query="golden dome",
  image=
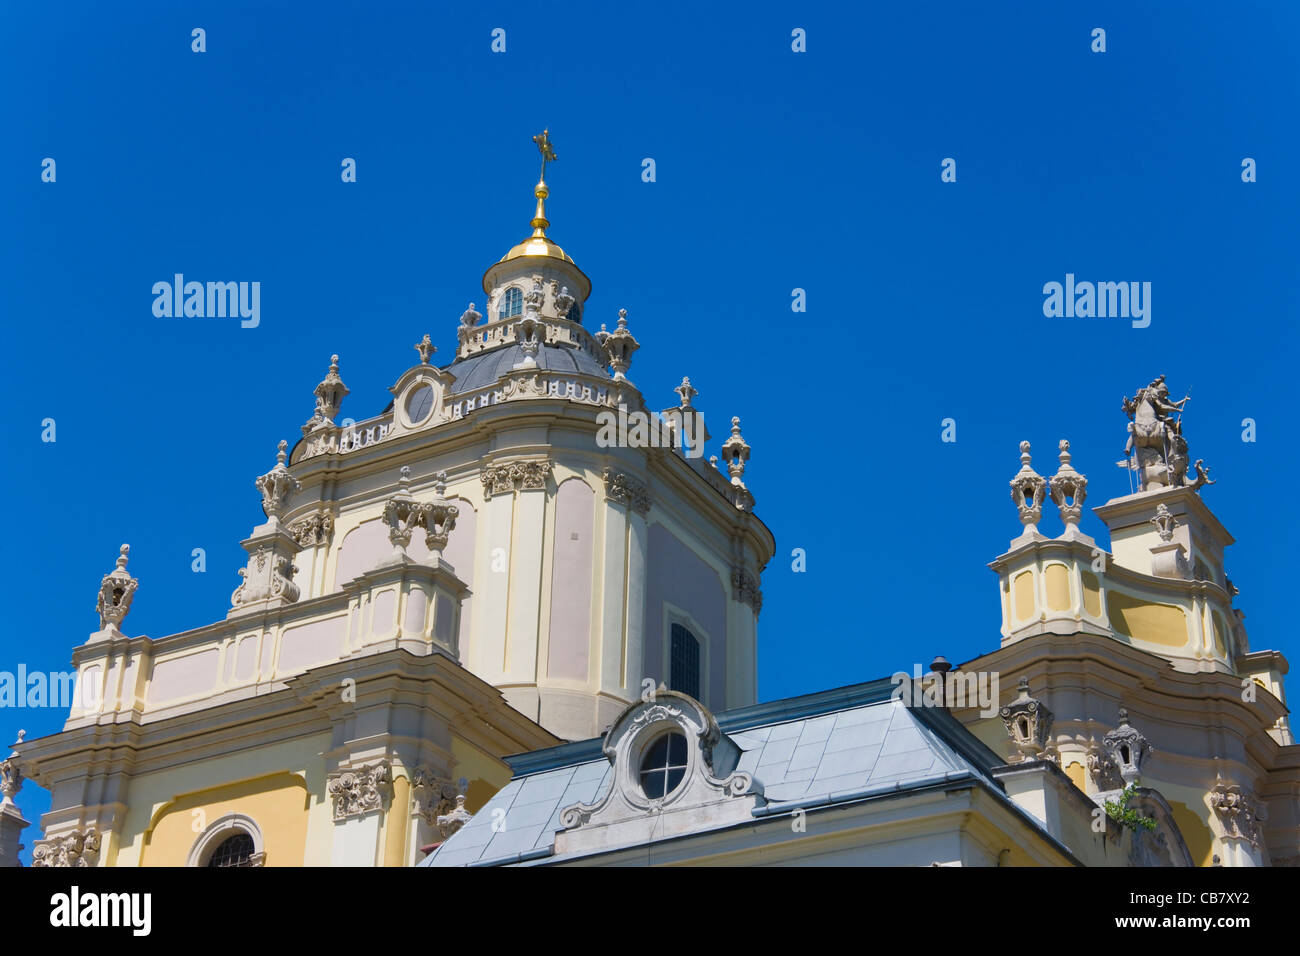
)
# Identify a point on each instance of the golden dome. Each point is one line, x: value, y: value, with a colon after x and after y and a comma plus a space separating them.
x: 538, y: 244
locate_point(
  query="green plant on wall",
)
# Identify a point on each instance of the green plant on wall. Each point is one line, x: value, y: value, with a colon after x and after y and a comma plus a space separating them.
x: 1126, y: 816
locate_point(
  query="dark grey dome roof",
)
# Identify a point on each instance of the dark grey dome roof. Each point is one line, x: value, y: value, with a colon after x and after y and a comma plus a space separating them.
x: 485, y: 368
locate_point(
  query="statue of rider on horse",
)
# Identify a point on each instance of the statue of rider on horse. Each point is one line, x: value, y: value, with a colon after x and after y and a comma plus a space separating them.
x: 1156, y: 449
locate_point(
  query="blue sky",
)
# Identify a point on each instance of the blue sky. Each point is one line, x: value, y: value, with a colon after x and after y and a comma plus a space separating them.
x: 775, y: 171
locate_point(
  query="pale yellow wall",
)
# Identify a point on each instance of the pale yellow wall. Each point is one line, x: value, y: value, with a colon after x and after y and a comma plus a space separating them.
x: 1162, y: 624
x: 1023, y: 588
x: 1196, y: 833
x: 1078, y: 775
x: 485, y: 775
x: 204, y: 784
x: 278, y: 804
x: 1091, y: 593
x: 1057, y: 579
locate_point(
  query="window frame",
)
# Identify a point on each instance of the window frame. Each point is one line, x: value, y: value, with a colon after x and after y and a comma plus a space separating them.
x: 672, y: 614
x: 507, y: 297
x: 667, y: 735
x: 219, y: 831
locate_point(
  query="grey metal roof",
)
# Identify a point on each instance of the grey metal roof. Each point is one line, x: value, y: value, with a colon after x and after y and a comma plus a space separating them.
x: 875, y: 747
x: 487, y: 367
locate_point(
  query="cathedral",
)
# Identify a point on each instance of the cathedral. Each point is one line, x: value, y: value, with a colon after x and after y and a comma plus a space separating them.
x: 511, y: 619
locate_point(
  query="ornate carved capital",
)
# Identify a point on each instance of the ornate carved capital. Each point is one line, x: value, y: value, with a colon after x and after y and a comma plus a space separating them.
x: 78, y: 848
x: 436, y: 799
x: 313, y: 530
x: 1238, y: 811
x: 745, y: 589
x: 627, y: 490
x: 520, y: 475
x: 359, y: 791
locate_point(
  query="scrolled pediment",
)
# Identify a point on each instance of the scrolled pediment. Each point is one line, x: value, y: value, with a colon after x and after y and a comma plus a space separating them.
x: 674, y: 772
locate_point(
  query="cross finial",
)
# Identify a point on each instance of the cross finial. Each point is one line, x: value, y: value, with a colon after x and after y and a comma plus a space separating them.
x: 543, y: 141
x: 426, y: 348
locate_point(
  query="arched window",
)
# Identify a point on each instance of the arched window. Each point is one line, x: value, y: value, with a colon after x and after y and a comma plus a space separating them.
x: 684, y: 662
x: 512, y: 303
x: 234, y: 850
x: 233, y: 840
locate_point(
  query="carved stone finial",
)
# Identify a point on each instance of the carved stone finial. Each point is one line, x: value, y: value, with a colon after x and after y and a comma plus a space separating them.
x: 438, y: 517
x: 401, y: 514
x: 618, y: 347
x: 735, y: 452
x: 453, y: 820
x: 116, y: 590
x: 426, y: 348
x: 685, y: 392
x: 11, y: 777
x: 277, y: 485
x: 1029, y: 725
x: 329, y: 399
x: 1068, y: 489
x: 1028, y: 488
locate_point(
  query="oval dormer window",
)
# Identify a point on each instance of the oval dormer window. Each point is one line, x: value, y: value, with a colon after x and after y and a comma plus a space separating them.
x: 664, y: 765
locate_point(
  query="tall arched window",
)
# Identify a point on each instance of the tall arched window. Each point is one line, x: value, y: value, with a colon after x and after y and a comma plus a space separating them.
x: 512, y: 303
x: 684, y: 662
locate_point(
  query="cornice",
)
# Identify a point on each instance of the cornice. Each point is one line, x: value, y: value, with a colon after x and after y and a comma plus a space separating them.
x: 1048, y: 548
x: 1136, y: 677
x: 473, y: 709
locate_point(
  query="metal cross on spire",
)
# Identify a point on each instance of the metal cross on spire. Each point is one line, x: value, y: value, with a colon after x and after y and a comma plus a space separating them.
x: 543, y: 141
